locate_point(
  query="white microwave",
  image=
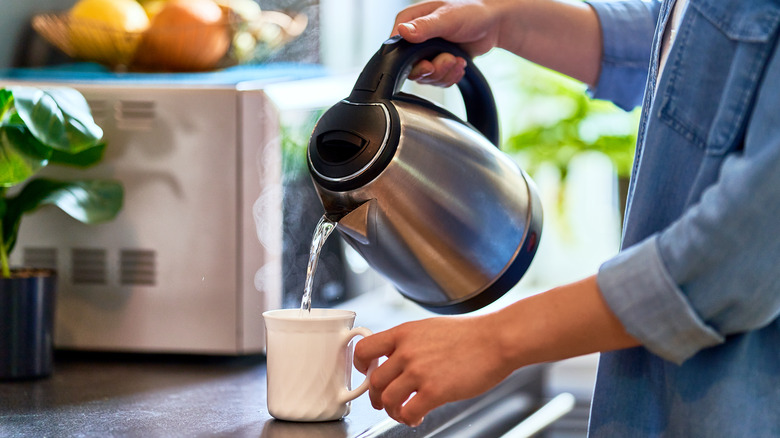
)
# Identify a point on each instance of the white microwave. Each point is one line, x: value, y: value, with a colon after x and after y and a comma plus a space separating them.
x: 194, y: 257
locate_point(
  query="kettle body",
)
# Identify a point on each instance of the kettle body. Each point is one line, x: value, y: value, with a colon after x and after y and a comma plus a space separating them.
x: 427, y: 199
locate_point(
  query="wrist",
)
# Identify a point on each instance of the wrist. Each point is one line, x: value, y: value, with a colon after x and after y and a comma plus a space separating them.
x: 520, y: 335
x: 513, y: 24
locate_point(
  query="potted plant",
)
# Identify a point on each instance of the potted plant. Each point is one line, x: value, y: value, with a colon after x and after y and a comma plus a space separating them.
x: 38, y: 128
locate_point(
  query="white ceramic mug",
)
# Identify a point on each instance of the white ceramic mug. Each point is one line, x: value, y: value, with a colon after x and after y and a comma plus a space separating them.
x: 309, y: 363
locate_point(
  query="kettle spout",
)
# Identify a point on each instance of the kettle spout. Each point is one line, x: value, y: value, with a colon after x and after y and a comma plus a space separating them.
x: 356, y: 223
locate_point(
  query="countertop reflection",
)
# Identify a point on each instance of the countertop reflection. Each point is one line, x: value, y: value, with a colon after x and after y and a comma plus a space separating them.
x: 285, y: 429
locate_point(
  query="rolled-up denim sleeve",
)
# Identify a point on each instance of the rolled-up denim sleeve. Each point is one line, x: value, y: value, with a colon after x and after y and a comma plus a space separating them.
x: 714, y: 271
x: 627, y: 29
x: 640, y: 290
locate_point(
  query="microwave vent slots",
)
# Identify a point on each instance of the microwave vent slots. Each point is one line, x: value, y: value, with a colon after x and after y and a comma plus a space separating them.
x: 45, y: 258
x: 135, y: 114
x: 138, y: 267
x: 99, y: 109
x: 88, y: 266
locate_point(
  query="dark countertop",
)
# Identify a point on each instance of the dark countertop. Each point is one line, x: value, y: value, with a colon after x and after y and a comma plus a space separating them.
x: 148, y: 395
x: 164, y: 395
x: 100, y: 394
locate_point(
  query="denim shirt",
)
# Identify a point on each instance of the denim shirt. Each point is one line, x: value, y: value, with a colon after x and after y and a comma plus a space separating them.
x: 698, y: 278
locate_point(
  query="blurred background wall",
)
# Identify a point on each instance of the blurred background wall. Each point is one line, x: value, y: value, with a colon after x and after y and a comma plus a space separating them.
x: 15, y: 25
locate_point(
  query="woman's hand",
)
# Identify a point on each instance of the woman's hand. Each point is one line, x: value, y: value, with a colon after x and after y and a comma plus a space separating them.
x: 473, y: 24
x: 431, y: 362
x: 564, y: 35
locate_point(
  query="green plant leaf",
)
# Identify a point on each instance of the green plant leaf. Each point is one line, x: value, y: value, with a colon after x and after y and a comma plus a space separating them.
x: 21, y: 155
x: 90, y: 202
x: 5, y: 269
x: 59, y: 117
x: 3, y: 211
x: 84, y: 158
x: 11, y: 218
x: 6, y: 102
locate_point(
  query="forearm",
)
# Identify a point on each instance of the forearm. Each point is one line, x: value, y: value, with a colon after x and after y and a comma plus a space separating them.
x: 438, y: 360
x: 563, y: 35
x: 564, y: 322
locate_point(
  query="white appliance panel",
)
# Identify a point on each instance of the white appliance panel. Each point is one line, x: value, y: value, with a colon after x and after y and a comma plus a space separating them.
x: 183, y: 267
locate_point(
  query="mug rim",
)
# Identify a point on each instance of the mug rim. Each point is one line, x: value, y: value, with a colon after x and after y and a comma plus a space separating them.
x: 322, y: 314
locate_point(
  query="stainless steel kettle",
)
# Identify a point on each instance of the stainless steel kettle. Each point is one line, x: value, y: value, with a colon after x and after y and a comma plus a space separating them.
x: 427, y: 199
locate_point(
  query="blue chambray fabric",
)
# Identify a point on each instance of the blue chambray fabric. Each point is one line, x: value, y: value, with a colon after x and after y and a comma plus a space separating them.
x: 698, y: 276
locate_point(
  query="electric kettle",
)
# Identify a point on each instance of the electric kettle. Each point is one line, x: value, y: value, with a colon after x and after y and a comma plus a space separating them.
x: 426, y: 198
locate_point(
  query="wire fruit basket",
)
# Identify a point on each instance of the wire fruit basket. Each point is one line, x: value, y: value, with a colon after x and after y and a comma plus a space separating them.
x: 183, y: 48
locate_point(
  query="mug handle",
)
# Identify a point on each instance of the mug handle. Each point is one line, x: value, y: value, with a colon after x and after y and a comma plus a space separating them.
x: 349, y: 395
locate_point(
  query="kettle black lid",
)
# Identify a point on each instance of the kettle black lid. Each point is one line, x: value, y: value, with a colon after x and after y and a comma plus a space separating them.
x: 352, y: 143
x: 356, y: 138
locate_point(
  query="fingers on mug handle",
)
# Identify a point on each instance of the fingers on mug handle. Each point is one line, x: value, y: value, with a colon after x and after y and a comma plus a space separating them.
x: 348, y: 395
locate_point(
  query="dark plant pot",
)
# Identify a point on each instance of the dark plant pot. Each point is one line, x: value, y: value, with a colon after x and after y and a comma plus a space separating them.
x: 27, y: 324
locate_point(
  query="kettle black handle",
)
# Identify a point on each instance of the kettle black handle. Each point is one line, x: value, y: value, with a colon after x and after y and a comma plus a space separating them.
x: 387, y: 70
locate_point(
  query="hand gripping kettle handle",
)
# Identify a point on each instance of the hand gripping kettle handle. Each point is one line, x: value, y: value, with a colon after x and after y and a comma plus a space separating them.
x: 387, y: 70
